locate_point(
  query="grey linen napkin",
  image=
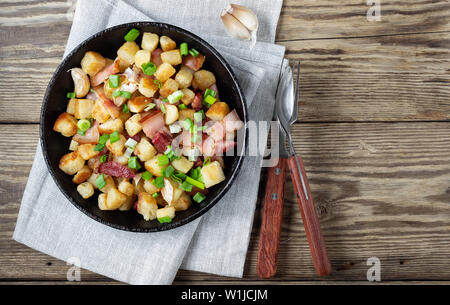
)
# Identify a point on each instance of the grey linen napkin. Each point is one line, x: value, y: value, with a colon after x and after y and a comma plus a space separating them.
x: 217, y: 242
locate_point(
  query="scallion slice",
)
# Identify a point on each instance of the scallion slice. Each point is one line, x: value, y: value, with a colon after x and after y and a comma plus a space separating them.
x: 148, y: 68
x: 163, y: 160
x: 167, y: 172
x: 131, y: 143
x: 165, y: 219
x: 209, y: 92
x: 128, y: 152
x: 186, y: 186
x: 174, y: 128
x: 196, y: 183
x: 132, y: 35
x: 99, y: 147
x: 125, y: 108
x: 71, y: 95
x: 114, y: 137
x: 198, y: 117
x: 147, y: 175
x: 182, y: 106
x: 133, y: 163
x: 100, y: 181
x: 155, y: 195
x: 175, y: 97
x: 209, y: 99
x: 103, y: 158
x: 150, y: 106
x: 187, y: 123
x: 158, y: 182
x: 103, y: 139
x: 157, y: 82
x: 162, y: 108
x: 184, y: 49
x: 83, y: 124
x: 114, y: 81
x: 193, y: 52
x: 199, y: 197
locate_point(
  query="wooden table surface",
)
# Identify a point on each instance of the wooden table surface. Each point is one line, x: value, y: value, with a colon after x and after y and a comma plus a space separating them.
x: 373, y: 129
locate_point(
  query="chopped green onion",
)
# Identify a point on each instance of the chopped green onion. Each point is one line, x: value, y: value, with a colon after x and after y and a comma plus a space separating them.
x: 163, y: 160
x: 209, y: 99
x: 150, y: 106
x: 132, y: 35
x: 125, y: 108
x: 179, y: 175
x: 196, y: 183
x: 103, y: 158
x: 195, y: 173
x: 174, y: 128
x: 155, y: 195
x: 168, y: 171
x: 114, y: 81
x: 91, y: 90
x: 147, y: 175
x: 157, y: 82
x: 175, y: 97
x: 103, y: 139
x: 193, y: 52
x: 165, y: 100
x: 83, y: 124
x: 133, y: 163
x: 100, y: 181
x: 187, y: 123
x: 114, y: 137
x: 148, y: 68
x: 99, y: 147
x: 81, y: 132
x: 198, y: 117
x: 125, y: 94
x: 209, y: 92
x: 128, y: 152
x: 186, y: 186
x: 184, y: 49
x: 165, y: 219
x: 199, y: 197
x: 162, y: 108
x: 131, y: 143
x: 206, y: 161
x: 182, y: 106
x: 158, y: 182
x: 71, y: 94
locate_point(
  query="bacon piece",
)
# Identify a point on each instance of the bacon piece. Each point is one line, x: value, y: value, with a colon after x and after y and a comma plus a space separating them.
x: 208, y: 147
x: 194, y: 62
x: 198, y: 162
x: 112, y: 109
x: 115, y: 169
x: 136, y: 137
x: 161, y: 140
x: 90, y: 136
x: 152, y: 123
x: 232, y: 122
x: 100, y: 77
x: 224, y: 146
x: 156, y: 57
x: 197, y: 102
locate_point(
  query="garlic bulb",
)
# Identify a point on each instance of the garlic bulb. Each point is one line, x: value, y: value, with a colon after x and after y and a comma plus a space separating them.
x: 240, y: 22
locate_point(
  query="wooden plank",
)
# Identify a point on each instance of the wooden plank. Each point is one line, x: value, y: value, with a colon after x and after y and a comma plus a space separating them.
x: 387, y: 78
x: 382, y: 189
x: 329, y: 19
x: 394, y: 78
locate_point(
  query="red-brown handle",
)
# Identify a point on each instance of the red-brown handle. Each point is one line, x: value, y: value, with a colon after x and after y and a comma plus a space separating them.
x: 310, y: 218
x: 269, y: 238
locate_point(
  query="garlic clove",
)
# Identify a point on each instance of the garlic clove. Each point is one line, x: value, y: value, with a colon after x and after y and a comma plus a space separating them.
x: 234, y: 26
x: 244, y: 15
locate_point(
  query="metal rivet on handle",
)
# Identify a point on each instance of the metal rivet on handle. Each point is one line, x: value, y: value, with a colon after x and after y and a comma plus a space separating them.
x: 274, y: 196
x: 277, y: 171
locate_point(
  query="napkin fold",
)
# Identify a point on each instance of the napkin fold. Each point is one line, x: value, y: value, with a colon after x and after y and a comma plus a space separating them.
x: 215, y: 243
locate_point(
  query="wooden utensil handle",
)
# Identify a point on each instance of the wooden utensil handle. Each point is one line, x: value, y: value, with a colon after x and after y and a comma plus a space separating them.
x: 269, y: 238
x: 310, y: 218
